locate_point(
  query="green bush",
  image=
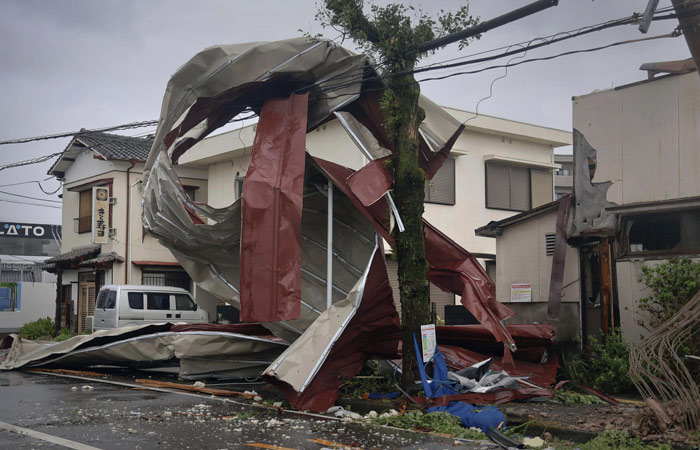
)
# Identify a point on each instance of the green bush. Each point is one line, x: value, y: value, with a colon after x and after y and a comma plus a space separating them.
x: 602, y: 365
x: 673, y: 284
x: 64, y: 334
x: 39, y: 329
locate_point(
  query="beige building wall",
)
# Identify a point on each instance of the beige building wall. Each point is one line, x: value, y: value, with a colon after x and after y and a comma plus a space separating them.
x: 633, y: 321
x: 647, y: 138
x: 522, y: 258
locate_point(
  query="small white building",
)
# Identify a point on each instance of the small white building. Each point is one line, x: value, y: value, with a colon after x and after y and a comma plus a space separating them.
x: 130, y: 256
x: 497, y: 168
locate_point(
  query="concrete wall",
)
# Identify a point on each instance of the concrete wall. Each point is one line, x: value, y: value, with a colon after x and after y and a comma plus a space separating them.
x: 647, y: 138
x: 37, y: 301
x: 630, y: 290
x: 522, y: 258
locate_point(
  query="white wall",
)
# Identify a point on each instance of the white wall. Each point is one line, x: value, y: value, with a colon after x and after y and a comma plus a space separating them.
x: 630, y: 290
x: 37, y: 301
x: 647, y: 138
x: 521, y: 258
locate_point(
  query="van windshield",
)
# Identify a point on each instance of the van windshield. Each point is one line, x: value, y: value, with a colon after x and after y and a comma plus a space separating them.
x: 183, y: 302
x: 106, y: 300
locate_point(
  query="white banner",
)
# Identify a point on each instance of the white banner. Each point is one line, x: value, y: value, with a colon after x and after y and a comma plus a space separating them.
x: 100, y: 215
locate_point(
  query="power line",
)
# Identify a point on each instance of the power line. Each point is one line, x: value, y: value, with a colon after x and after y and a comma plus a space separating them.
x: 30, y: 198
x: 546, y: 41
x: 25, y: 182
x: 31, y: 204
x: 27, y: 162
x: 126, y: 126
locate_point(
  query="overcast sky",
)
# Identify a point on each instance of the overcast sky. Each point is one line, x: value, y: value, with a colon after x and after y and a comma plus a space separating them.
x: 71, y: 64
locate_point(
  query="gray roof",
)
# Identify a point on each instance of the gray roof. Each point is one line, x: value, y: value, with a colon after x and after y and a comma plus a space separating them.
x: 114, y: 146
x: 106, y: 145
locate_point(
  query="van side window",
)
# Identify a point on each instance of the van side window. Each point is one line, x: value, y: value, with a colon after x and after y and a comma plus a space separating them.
x: 158, y: 300
x: 135, y: 300
x: 101, y: 299
x: 183, y: 302
x: 111, y: 301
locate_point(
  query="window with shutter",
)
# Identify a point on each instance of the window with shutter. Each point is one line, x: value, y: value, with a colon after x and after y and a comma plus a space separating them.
x: 85, y: 211
x: 507, y: 187
x: 441, y: 189
x: 516, y: 188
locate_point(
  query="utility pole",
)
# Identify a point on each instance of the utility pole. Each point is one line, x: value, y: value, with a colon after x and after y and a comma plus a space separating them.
x: 688, y: 12
x: 483, y: 27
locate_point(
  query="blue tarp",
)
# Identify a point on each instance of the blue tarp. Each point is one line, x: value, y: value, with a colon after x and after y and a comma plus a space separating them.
x: 482, y: 418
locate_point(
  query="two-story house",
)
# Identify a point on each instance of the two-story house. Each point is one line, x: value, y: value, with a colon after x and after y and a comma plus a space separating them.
x: 496, y: 168
x: 127, y: 255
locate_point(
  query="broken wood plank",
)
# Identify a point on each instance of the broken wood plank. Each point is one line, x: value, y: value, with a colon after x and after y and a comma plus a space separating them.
x: 189, y: 387
x: 82, y: 373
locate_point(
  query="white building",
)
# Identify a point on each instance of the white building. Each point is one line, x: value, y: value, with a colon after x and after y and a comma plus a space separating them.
x: 131, y: 256
x: 497, y: 168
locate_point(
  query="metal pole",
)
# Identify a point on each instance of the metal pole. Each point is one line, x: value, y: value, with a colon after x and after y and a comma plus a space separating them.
x: 329, y: 248
x: 483, y: 27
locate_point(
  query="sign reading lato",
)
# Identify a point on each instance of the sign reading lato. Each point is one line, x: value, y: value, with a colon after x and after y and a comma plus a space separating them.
x: 27, y: 230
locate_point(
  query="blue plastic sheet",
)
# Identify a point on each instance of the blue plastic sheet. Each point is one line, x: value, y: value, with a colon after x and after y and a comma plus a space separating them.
x: 481, y: 418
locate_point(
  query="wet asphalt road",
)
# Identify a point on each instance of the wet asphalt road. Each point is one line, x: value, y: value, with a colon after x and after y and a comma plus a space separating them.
x: 116, y: 417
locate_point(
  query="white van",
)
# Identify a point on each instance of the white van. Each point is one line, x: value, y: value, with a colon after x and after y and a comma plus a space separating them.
x: 124, y: 305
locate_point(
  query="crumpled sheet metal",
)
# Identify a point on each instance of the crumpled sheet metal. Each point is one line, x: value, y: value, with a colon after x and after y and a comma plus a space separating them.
x: 590, y: 213
x: 221, y: 82
x: 271, y: 205
x: 451, y: 268
x: 199, y: 353
x: 312, y: 369
x: 205, y: 93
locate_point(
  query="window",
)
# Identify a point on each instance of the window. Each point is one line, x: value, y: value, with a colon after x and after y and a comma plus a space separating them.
x: 516, y: 188
x: 174, y: 278
x: 191, y: 192
x: 107, y: 300
x: 85, y: 212
x: 158, y: 300
x: 183, y: 302
x: 111, y: 302
x: 563, y: 172
x: 668, y: 233
x: 441, y: 189
x: 135, y: 300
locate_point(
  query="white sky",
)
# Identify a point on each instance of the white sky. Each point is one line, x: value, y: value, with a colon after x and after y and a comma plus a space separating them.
x: 71, y: 64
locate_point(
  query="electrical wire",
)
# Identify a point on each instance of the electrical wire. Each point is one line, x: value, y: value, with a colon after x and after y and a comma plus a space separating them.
x: 125, y: 126
x: 28, y: 162
x: 31, y: 204
x: 555, y: 38
x: 30, y: 198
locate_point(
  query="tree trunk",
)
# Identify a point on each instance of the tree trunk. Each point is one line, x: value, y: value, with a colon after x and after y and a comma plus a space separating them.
x: 403, y: 116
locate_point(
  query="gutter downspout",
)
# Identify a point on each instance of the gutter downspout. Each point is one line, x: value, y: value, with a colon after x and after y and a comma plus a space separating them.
x: 127, y: 269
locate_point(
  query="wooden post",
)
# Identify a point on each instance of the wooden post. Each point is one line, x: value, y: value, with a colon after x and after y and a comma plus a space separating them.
x: 606, y: 287
x: 59, y: 297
